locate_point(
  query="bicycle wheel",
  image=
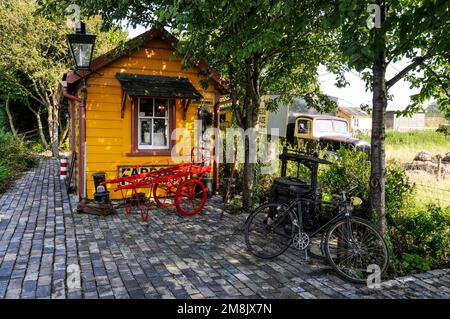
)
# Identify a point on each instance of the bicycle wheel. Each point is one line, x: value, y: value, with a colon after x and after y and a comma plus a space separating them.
x: 190, y: 197
x: 269, y: 230
x: 351, y: 252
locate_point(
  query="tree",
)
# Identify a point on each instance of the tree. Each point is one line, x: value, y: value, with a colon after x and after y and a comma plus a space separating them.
x: 10, y: 92
x: 417, y: 31
x: 257, y: 46
x: 35, y: 47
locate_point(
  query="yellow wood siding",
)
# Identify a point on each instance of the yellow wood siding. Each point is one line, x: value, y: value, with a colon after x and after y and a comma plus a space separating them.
x: 108, y: 136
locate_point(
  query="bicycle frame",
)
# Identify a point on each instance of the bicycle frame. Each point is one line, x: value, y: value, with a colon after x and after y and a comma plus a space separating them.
x: 338, y: 204
x: 296, y: 204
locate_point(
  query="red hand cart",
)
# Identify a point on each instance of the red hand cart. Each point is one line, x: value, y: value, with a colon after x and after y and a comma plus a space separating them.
x: 178, y: 185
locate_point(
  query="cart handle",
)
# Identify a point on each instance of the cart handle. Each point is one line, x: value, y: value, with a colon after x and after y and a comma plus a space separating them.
x: 201, y: 149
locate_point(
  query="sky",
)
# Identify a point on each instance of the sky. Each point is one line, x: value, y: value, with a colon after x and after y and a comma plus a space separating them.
x: 355, y: 93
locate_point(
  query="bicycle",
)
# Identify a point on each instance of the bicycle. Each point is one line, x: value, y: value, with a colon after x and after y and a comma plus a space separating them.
x: 349, y: 243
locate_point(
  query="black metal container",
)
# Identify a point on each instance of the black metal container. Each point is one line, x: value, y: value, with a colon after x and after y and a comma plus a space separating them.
x: 286, y: 189
x: 99, y: 177
x: 101, y: 195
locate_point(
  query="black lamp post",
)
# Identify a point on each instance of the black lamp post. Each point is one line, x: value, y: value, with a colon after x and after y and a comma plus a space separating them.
x: 81, y: 47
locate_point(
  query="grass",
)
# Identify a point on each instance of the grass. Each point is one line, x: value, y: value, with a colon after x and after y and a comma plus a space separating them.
x: 429, y: 190
x: 402, y: 147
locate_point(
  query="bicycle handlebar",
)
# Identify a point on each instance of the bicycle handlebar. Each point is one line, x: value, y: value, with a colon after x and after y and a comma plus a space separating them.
x: 347, y: 192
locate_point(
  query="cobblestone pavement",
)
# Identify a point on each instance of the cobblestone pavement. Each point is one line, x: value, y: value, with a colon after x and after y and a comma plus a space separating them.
x: 46, y: 251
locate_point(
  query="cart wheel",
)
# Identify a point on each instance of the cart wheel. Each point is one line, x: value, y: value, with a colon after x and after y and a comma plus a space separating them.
x: 190, y: 198
x: 170, y: 189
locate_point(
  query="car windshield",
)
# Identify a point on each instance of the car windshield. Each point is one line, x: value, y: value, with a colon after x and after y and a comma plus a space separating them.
x: 340, y: 127
x: 324, y: 126
x: 330, y: 126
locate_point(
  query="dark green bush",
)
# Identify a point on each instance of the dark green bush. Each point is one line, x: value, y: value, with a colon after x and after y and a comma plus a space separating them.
x: 15, y: 157
x: 339, y: 177
x: 420, y: 238
x: 37, y: 147
x: 443, y: 129
x: 399, y: 189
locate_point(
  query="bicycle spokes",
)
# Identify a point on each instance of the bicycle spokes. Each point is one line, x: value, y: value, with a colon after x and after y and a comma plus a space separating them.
x: 353, y: 247
x: 269, y: 231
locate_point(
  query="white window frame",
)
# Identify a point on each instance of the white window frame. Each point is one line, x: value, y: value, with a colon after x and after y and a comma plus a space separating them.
x: 152, y: 118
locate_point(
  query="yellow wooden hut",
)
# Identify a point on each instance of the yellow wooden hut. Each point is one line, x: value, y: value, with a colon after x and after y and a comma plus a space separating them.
x: 132, y: 100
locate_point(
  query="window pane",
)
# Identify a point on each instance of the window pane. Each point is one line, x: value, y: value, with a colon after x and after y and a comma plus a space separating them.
x: 146, y: 132
x: 159, y: 132
x: 302, y: 127
x: 161, y: 107
x: 82, y: 54
x: 340, y: 127
x: 146, y: 107
x: 324, y: 126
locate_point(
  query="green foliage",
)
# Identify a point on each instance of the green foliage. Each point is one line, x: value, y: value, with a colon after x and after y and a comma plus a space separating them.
x: 66, y: 145
x: 279, y: 47
x: 341, y: 176
x: 399, y: 190
x: 6, y: 177
x: 3, y: 119
x: 37, y: 147
x: 350, y: 163
x: 423, y: 44
x: 417, y: 138
x: 414, y: 139
x: 418, y: 237
x: 263, y: 185
x: 421, y: 238
x: 281, y: 42
x: 37, y: 47
x: 15, y: 157
x: 444, y: 130
x: 34, y: 56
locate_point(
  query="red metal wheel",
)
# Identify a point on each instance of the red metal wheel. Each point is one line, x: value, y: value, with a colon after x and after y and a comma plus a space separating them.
x: 191, y: 197
x: 170, y: 189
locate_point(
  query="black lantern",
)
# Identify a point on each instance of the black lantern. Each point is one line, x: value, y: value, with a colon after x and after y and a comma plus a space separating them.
x: 81, y: 47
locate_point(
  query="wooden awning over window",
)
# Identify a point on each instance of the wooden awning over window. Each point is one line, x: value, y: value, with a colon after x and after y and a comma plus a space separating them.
x: 139, y: 85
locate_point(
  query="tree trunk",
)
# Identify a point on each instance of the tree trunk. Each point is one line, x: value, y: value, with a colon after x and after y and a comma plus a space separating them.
x: 41, y: 130
x: 253, y: 100
x: 249, y: 176
x: 53, y: 129
x: 378, y: 167
x: 65, y: 132
x: 10, y: 117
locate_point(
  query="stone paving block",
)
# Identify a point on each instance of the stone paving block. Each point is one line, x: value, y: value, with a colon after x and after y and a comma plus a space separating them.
x: 13, y: 293
x: 43, y: 291
x: 3, y: 288
x: 174, y: 257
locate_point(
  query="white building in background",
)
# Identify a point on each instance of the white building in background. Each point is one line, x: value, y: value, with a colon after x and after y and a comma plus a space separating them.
x: 405, y: 123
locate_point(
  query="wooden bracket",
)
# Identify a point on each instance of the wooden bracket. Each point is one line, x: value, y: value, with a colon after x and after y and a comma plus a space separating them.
x: 185, y: 105
x: 124, y: 100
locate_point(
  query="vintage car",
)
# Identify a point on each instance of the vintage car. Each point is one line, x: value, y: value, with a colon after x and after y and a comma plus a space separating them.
x: 312, y: 132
